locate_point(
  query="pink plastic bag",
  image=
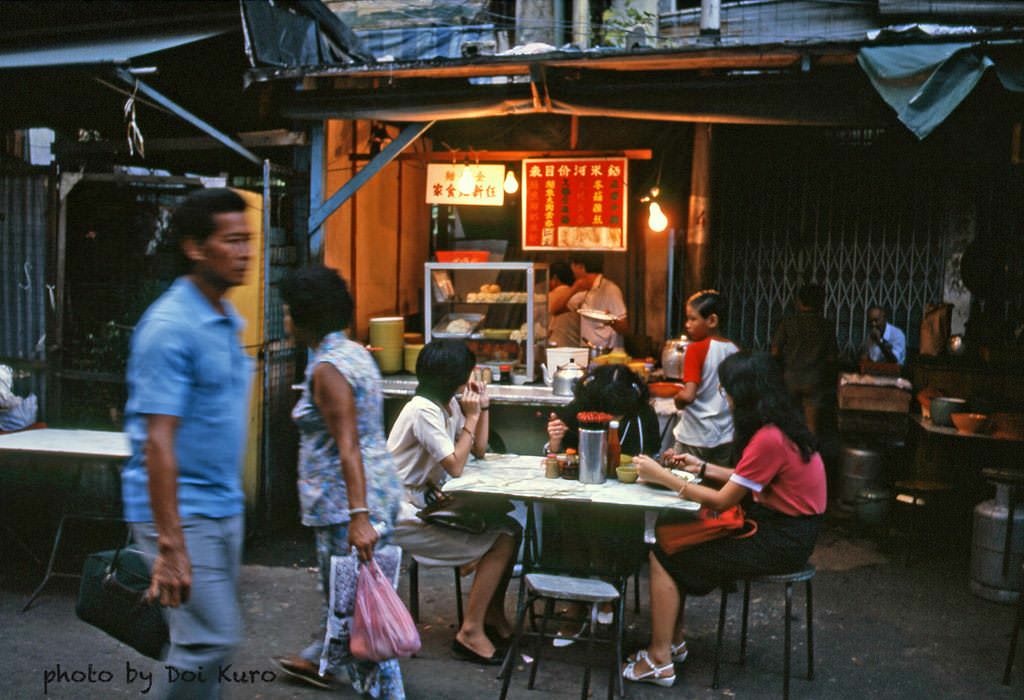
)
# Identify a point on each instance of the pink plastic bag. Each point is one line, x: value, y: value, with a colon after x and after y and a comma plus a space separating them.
x: 382, y: 628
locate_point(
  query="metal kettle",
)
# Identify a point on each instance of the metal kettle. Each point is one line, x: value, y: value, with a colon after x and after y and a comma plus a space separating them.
x: 672, y: 355
x: 565, y: 378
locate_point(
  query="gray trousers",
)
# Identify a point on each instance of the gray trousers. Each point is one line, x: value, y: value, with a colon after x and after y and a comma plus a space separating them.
x: 207, y: 629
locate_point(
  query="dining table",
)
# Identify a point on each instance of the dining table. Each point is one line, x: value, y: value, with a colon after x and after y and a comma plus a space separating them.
x: 80, y: 451
x: 521, y: 478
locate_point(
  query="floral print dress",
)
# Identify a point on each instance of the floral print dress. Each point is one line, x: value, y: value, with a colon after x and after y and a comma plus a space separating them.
x: 323, y: 495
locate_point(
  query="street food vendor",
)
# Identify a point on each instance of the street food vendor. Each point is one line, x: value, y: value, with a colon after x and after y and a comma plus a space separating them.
x: 885, y: 342
x: 564, y: 324
x: 592, y: 290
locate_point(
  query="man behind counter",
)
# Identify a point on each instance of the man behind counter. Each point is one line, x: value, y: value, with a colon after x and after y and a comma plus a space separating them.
x: 593, y: 290
x: 885, y: 342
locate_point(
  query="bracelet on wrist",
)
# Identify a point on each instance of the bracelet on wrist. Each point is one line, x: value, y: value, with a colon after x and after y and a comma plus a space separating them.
x: 703, y: 469
x: 484, y: 408
x: 682, y: 490
x: 469, y: 432
x: 357, y: 511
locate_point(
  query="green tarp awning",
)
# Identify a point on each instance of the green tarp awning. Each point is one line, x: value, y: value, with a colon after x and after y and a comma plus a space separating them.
x: 924, y: 83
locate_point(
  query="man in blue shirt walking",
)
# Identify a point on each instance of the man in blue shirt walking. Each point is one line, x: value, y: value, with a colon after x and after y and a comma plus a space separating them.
x: 188, y: 386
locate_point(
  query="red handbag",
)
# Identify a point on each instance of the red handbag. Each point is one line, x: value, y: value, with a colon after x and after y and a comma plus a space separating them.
x: 708, y: 525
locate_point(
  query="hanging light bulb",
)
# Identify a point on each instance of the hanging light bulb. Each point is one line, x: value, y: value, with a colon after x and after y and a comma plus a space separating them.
x: 466, y: 184
x: 511, y: 184
x: 656, y: 219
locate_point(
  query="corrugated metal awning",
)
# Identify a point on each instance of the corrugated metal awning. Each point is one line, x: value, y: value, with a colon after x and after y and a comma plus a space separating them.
x: 116, y: 50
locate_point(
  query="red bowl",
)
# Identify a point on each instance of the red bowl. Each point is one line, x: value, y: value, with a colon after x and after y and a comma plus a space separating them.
x: 970, y: 423
x: 664, y: 390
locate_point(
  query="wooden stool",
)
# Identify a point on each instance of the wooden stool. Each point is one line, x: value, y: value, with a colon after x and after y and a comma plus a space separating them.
x: 914, y: 501
x: 550, y: 588
x: 414, y: 591
x: 805, y: 574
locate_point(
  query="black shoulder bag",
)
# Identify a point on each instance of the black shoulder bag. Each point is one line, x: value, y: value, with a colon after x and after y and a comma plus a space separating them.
x: 112, y: 598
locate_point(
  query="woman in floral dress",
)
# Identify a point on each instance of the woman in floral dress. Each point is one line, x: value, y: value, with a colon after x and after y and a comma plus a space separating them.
x: 349, y: 491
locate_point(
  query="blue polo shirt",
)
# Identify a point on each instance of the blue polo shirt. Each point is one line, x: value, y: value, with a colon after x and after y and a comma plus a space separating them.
x: 186, y: 361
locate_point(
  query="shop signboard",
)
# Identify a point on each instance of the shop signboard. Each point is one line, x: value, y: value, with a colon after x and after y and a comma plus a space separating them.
x: 575, y: 203
x: 469, y: 184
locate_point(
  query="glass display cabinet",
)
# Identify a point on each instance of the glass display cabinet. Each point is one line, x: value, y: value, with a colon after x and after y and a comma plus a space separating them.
x: 500, y: 309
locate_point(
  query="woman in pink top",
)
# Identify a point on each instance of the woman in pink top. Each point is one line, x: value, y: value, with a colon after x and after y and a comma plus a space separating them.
x: 778, y: 467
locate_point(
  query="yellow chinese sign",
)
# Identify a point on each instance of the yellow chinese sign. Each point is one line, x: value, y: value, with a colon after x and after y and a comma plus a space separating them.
x: 471, y: 184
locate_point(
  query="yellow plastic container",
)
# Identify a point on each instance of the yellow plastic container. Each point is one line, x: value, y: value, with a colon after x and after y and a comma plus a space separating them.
x: 412, y: 353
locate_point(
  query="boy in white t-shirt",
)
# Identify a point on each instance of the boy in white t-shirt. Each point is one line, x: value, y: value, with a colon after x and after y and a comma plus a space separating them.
x: 705, y: 425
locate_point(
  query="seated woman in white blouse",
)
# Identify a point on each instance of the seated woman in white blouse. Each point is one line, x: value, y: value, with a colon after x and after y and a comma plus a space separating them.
x: 431, y: 442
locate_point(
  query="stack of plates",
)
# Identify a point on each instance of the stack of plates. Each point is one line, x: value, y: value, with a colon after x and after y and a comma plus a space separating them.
x: 386, y: 339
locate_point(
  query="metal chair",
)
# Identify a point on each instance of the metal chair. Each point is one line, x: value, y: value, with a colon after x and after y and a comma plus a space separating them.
x: 805, y: 575
x: 414, y: 591
x: 551, y: 588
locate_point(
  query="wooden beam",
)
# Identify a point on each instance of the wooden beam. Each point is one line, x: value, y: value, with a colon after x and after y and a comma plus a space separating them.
x: 760, y: 58
x: 503, y: 156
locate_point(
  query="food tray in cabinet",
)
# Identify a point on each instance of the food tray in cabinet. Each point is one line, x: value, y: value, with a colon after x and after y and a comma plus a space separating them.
x: 456, y: 325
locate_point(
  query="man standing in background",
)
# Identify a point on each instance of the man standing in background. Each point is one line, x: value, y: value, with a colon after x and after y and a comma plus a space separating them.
x: 805, y: 344
x: 188, y: 386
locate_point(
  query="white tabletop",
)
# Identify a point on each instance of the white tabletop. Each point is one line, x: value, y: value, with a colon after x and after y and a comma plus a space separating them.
x: 522, y: 477
x: 100, y: 444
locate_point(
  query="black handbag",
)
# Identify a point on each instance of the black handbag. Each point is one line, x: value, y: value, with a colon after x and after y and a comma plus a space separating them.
x: 112, y: 598
x: 462, y: 512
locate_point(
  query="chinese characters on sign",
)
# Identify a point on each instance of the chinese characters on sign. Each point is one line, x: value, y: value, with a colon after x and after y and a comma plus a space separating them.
x: 448, y: 183
x: 575, y: 204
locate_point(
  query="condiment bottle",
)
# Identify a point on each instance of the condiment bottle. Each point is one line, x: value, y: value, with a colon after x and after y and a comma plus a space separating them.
x: 614, y: 449
x: 552, y: 470
x: 572, y: 466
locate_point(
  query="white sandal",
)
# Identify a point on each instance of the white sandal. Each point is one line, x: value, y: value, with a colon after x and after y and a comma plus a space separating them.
x: 651, y: 675
x: 679, y: 653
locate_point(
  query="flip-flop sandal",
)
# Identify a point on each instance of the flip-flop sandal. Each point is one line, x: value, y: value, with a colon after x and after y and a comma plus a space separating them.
x: 679, y: 653
x: 651, y: 674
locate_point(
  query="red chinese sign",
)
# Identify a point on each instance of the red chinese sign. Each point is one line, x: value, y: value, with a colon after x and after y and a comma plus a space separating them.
x: 575, y: 203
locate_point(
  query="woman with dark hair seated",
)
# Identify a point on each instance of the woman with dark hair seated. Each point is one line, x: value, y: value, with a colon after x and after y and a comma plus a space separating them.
x: 431, y: 441
x: 616, y: 390
x: 613, y: 389
x: 349, y: 491
x: 778, y: 466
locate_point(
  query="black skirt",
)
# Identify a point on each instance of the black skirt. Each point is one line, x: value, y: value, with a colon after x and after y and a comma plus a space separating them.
x: 782, y: 543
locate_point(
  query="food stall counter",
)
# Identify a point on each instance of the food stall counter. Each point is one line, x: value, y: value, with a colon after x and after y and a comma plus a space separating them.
x: 522, y: 395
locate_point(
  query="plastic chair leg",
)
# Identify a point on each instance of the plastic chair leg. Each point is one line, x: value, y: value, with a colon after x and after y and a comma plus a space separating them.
x: 414, y: 590
x: 1018, y: 623
x: 538, y: 646
x: 510, y: 656
x: 785, y: 656
x: 746, y: 617
x: 585, y: 692
x: 810, y: 632
x: 721, y: 634
x: 458, y: 596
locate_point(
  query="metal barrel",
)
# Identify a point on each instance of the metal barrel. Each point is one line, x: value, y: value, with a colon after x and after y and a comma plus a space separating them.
x: 996, y: 569
x: 860, y: 468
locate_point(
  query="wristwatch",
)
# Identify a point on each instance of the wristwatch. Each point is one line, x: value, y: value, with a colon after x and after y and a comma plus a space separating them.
x: 703, y: 469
